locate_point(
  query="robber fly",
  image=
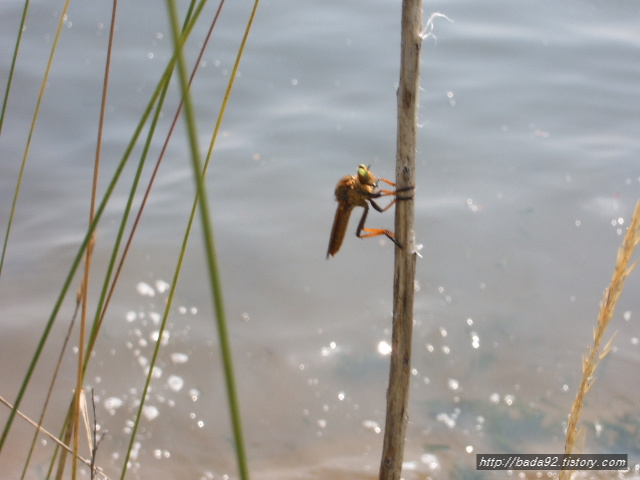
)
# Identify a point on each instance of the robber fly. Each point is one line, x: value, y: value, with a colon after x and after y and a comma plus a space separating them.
x: 358, y: 191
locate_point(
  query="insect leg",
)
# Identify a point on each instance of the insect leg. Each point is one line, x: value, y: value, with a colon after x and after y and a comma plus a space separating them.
x: 374, y: 232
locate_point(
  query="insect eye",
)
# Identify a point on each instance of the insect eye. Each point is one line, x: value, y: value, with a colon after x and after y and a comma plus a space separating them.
x: 363, y: 173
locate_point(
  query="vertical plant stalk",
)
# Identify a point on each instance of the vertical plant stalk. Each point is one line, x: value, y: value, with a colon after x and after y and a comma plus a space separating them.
x: 89, y: 255
x: 33, y: 121
x: 89, y: 234
x: 13, y: 65
x: 405, y: 259
x: 593, y: 355
x: 212, y: 261
x: 5, y: 431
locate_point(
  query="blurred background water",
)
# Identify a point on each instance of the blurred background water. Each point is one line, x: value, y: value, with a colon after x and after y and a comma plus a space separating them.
x: 528, y: 171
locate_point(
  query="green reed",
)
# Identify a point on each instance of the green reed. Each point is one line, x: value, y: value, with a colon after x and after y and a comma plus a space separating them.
x: 118, y: 257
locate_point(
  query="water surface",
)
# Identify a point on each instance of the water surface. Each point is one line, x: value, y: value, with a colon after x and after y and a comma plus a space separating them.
x: 527, y: 177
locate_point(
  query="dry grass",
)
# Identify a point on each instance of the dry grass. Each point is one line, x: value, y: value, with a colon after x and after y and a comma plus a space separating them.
x: 593, y: 355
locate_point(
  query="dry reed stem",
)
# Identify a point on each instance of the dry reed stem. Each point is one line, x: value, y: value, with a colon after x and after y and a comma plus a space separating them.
x: 592, y: 357
x: 405, y: 259
x: 53, y: 438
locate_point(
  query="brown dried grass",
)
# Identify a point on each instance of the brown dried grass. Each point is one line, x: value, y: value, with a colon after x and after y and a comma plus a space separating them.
x: 594, y: 354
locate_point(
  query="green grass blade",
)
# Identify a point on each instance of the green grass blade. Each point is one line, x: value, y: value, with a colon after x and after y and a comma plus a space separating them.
x: 9, y: 223
x: 13, y: 65
x: 33, y: 123
x: 66, y: 284
x: 209, y: 240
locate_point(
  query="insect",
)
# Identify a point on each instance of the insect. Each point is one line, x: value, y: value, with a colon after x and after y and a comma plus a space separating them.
x: 358, y: 191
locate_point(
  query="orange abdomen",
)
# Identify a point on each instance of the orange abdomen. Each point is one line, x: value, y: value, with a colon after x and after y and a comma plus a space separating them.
x: 339, y: 229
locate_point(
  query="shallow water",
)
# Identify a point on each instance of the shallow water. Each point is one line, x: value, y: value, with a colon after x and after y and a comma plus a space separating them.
x: 528, y: 174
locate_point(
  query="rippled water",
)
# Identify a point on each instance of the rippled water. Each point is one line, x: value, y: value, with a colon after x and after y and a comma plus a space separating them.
x: 528, y: 174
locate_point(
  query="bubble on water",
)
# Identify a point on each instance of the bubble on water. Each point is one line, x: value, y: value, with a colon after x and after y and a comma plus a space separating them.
x: 598, y: 428
x: 372, y: 425
x: 452, y: 100
x: 408, y: 466
x: 194, y: 394
x: 155, y: 317
x: 111, y: 404
x: 326, y: 351
x: 130, y: 316
x: 150, y: 412
x: 431, y: 461
x: 448, y: 420
x: 175, y: 383
x: 384, y: 348
x: 179, y: 358
x: 145, y: 289
x: 162, y: 286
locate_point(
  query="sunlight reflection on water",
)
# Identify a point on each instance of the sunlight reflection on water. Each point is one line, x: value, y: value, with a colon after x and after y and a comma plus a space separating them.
x: 527, y: 174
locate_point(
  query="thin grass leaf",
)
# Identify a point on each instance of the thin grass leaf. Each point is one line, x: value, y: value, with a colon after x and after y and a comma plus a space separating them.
x: 214, y: 276
x: 49, y: 435
x: 11, y: 70
x: 34, y: 119
x: 52, y: 383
